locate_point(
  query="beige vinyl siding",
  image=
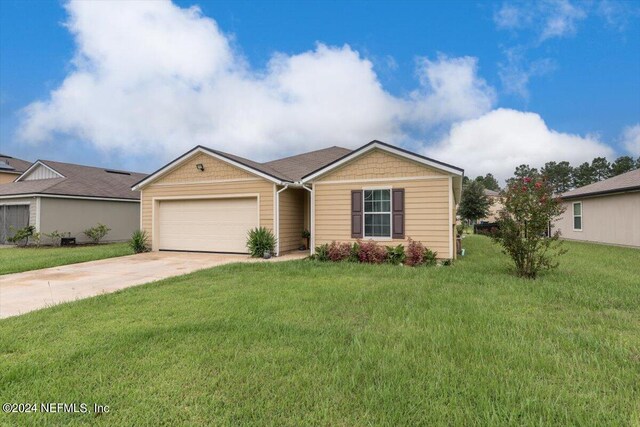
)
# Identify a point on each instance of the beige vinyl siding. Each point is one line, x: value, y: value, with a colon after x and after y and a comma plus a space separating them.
x: 214, y: 169
x: 612, y: 219
x: 379, y: 164
x: 291, y: 219
x: 427, y: 212
x: 7, y: 177
x: 76, y: 215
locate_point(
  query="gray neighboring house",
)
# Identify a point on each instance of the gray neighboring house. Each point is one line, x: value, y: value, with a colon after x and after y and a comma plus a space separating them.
x: 604, y: 212
x: 71, y: 198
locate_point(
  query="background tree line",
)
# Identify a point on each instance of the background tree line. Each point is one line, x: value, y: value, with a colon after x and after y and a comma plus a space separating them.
x: 563, y: 177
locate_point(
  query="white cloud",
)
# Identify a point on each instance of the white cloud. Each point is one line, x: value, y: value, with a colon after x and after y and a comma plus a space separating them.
x: 516, y: 72
x: 151, y: 77
x: 500, y: 140
x: 548, y: 18
x: 631, y: 139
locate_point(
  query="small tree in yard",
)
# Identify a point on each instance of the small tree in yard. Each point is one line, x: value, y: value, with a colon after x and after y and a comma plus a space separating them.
x: 529, y: 206
x: 474, y: 204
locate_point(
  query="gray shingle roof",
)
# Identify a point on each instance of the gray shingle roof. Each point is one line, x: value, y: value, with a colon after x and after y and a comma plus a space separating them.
x: 79, y: 180
x: 295, y: 167
x: 623, y: 182
x: 491, y: 193
x: 13, y: 164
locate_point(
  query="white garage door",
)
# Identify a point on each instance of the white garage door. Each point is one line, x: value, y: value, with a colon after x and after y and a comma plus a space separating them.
x: 213, y: 225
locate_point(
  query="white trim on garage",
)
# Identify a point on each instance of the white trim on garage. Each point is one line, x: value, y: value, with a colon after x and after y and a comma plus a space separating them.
x: 155, y: 204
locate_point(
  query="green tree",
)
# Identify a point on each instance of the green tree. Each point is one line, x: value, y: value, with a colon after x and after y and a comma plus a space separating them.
x: 465, y: 181
x: 601, y: 168
x: 559, y: 176
x: 622, y: 164
x: 490, y: 182
x: 474, y: 203
x: 583, y: 175
x: 529, y: 207
x: 638, y: 163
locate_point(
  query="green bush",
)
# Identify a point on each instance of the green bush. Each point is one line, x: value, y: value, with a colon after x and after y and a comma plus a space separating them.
x: 321, y: 253
x: 396, y: 255
x: 139, y: 241
x: 22, y: 234
x: 429, y: 257
x: 97, y: 233
x: 354, y: 254
x: 259, y: 241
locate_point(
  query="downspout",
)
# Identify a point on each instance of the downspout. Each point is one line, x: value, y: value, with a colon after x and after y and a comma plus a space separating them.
x: 312, y: 218
x: 278, y: 218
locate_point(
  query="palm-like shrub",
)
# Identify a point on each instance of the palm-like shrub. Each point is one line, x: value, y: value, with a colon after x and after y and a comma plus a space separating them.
x: 259, y: 241
x: 139, y: 241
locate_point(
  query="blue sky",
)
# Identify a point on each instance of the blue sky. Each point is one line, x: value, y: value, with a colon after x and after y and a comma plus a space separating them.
x: 574, y: 66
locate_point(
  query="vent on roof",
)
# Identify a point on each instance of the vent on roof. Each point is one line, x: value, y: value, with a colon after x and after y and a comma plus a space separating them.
x: 117, y: 172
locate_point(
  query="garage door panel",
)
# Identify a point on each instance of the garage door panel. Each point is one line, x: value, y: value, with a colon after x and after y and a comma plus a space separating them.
x: 216, y: 225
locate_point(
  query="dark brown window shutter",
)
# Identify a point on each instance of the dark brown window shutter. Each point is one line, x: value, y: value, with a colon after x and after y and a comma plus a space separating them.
x: 356, y: 214
x: 398, y: 213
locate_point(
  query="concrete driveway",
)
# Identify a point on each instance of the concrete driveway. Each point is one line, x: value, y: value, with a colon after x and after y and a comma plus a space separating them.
x: 33, y: 290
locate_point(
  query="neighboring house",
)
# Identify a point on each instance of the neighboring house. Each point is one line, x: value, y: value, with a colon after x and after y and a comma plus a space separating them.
x: 207, y: 200
x: 11, y: 168
x: 70, y: 198
x: 494, y: 209
x: 605, y: 212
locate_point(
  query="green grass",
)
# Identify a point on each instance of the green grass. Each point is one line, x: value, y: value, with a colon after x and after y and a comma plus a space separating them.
x: 304, y: 343
x: 15, y: 260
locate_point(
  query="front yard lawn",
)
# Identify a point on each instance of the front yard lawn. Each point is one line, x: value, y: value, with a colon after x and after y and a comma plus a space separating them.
x: 15, y: 260
x: 305, y: 343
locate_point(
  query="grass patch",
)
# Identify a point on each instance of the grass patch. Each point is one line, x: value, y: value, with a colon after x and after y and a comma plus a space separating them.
x: 306, y: 343
x: 15, y: 260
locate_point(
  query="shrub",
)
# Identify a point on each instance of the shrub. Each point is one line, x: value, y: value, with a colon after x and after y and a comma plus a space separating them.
x: 415, y: 253
x: 139, y: 241
x: 56, y: 237
x: 339, y: 251
x: 354, y: 252
x: 321, y: 253
x: 429, y: 257
x: 529, y: 208
x: 97, y: 233
x: 22, y: 234
x: 396, y: 255
x: 370, y: 252
x: 259, y: 241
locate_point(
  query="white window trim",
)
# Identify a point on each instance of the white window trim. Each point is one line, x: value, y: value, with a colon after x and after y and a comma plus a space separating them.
x: 573, y: 217
x: 364, y: 214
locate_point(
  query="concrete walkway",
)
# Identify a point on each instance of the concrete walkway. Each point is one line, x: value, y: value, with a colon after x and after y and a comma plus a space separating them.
x: 33, y: 290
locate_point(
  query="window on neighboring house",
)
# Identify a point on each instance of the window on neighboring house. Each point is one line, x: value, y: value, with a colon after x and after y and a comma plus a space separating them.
x: 577, y: 216
x: 377, y: 213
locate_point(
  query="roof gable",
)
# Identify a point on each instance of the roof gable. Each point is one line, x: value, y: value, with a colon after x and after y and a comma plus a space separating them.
x: 239, y: 162
x: 444, y: 167
x: 39, y: 170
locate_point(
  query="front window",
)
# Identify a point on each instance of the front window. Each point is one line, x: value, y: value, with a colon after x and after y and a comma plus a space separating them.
x: 377, y: 213
x: 577, y: 216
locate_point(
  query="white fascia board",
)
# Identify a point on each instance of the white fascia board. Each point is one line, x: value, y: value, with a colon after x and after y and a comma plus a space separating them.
x: 388, y: 149
x: 33, y: 166
x: 192, y: 153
